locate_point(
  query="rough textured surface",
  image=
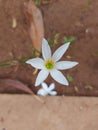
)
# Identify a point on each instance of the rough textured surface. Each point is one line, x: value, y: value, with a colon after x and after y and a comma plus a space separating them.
x: 23, y: 112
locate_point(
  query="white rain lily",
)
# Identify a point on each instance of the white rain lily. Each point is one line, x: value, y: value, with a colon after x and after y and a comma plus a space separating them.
x: 50, y: 64
x: 45, y: 90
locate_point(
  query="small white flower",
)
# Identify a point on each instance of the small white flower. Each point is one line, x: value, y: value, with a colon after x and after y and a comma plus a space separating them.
x: 45, y: 90
x: 50, y: 64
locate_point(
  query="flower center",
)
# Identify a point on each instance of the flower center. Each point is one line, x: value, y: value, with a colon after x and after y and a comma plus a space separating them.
x: 49, y: 64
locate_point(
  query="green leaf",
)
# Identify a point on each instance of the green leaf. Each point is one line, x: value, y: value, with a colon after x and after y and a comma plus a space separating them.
x: 70, y: 78
x: 88, y: 3
x: 71, y: 39
x: 4, y: 65
x: 96, y: 53
x: 54, y: 40
x: 37, y: 2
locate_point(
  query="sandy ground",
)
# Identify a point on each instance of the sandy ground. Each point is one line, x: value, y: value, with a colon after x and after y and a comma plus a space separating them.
x: 23, y: 112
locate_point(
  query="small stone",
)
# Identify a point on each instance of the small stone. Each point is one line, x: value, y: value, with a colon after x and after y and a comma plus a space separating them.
x: 11, y: 55
x: 89, y: 87
x: 87, y: 30
x: 76, y: 89
x: 35, y: 71
x: 14, y: 23
x: 68, y: 57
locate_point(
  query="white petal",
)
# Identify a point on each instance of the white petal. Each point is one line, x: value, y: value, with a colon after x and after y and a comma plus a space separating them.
x: 60, y: 52
x: 42, y: 75
x: 51, y: 87
x: 59, y: 77
x: 42, y: 92
x: 62, y: 65
x: 44, y: 86
x: 53, y: 93
x: 36, y: 63
x: 46, y: 51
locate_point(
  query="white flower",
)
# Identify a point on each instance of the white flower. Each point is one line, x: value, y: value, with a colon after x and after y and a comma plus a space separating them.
x: 45, y: 90
x: 50, y: 64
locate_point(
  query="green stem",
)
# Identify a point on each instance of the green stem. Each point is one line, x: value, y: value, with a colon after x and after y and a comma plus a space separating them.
x: 5, y: 65
x: 9, y: 63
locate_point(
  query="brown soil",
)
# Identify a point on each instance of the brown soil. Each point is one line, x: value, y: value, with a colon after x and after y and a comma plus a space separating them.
x: 69, y: 18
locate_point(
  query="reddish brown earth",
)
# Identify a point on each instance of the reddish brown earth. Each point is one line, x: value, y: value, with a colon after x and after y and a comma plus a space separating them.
x: 69, y: 18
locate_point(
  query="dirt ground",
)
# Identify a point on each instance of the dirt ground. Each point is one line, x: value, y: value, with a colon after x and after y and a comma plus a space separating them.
x: 68, y: 18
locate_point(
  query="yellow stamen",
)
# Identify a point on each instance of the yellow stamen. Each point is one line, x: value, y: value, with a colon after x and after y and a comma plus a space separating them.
x: 49, y: 64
